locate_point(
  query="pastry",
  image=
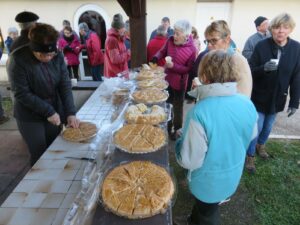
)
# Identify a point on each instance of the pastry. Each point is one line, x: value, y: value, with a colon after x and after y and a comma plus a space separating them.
x: 85, y: 131
x: 140, y: 113
x: 138, y: 189
x: 152, y: 83
x: 139, y: 138
x: 149, y: 96
x: 146, y: 74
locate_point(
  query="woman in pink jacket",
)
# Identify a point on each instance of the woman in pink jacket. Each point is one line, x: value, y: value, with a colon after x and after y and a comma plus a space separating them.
x: 116, y: 55
x: 92, y: 44
x: 182, y: 50
x: 69, y: 45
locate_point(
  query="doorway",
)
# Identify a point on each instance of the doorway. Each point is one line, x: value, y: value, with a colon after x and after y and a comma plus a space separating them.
x: 97, y: 20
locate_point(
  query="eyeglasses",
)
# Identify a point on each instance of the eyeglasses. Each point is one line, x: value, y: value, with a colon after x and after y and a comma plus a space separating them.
x: 212, y: 41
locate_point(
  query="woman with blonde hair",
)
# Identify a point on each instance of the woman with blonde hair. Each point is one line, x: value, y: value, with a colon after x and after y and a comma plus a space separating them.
x: 275, y: 66
x: 214, y: 156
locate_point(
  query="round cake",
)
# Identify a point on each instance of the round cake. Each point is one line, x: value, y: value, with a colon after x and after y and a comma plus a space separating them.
x: 146, y: 74
x: 138, y: 189
x: 153, y: 83
x: 139, y: 138
x: 140, y: 113
x: 150, y: 96
x: 85, y: 131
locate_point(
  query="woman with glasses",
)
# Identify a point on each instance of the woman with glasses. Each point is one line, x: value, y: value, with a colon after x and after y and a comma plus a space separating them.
x: 217, y: 36
x: 43, y: 96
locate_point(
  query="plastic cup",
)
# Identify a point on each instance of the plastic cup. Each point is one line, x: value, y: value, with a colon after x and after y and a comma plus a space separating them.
x: 168, y: 59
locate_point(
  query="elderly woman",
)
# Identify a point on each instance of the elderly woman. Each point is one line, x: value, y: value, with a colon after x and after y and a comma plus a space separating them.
x: 215, y: 157
x: 217, y: 36
x: 182, y: 51
x: 12, y: 35
x: 92, y: 44
x: 43, y: 96
x: 275, y: 66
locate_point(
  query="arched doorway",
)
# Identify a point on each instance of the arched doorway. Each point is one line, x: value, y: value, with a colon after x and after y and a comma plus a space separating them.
x: 97, y: 20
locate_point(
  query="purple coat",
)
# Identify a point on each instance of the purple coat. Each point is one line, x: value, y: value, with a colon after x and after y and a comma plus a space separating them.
x: 183, y: 57
x: 72, y: 55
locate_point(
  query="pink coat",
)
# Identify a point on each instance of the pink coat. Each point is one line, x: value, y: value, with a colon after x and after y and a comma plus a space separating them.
x: 116, y: 55
x: 72, y: 56
x: 154, y: 46
x: 93, y: 48
x: 183, y: 57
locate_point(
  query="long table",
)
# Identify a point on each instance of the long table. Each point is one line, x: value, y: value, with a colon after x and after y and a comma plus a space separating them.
x: 47, y: 191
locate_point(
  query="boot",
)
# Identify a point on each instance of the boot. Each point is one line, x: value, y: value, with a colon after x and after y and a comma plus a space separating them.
x: 250, y: 164
x: 261, y: 151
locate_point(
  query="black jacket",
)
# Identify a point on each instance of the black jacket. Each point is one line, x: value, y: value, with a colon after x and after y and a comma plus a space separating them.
x: 41, y: 89
x: 20, y: 41
x: 270, y: 89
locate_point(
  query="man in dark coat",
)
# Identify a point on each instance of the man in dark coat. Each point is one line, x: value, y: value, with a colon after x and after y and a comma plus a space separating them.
x: 26, y: 20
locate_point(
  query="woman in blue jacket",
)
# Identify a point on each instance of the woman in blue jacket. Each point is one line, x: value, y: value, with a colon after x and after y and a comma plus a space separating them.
x: 216, y: 135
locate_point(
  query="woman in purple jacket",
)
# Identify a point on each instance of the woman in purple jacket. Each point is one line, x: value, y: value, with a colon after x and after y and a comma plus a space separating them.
x: 182, y: 51
x: 69, y: 45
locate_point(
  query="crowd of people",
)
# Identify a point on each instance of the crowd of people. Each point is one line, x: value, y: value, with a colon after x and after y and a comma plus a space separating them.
x: 236, y: 101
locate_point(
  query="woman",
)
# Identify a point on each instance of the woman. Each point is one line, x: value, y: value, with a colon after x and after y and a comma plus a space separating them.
x: 182, y: 50
x: 92, y: 44
x: 217, y: 36
x: 69, y: 45
x: 156, y: 44
x: 43, y: 96
x: 116, y: 55
x: 214, y: 158
x: 275, y: 66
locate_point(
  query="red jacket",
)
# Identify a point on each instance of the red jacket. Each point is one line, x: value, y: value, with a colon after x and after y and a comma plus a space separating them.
x: 93, y: 49
x: 116, y: 55
x: 183, y: 57
x: 70, y: 54
x: 154, y: 46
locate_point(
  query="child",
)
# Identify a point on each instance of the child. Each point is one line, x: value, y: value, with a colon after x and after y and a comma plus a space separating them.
x: 215, y: 138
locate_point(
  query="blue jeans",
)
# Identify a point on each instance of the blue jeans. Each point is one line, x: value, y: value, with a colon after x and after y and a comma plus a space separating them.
x: 264, y: 124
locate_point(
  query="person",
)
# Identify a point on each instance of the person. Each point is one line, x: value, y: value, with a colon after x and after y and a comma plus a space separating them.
x: 213, y: 157
x: 165, y: 21
x: 217, y: 36
x: 66, y: 23
x: 127, y: 39
x: 261, y: 24
x: 12, y: 35
x: 43, y: 95
x: 26, y: 20
x: 3, y: 118
x: 182, y: 50
x: 156, y: 44
x: 92, y: 44
x: 196, y: 40
x: 116, y: 55
x: 70, y: 46
x: 275, y: 69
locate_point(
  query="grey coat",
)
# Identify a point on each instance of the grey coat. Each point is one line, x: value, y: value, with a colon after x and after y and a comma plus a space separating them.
x: 41, y: 89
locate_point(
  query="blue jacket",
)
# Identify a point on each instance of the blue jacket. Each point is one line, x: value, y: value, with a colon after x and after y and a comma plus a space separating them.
x: 216, y: 135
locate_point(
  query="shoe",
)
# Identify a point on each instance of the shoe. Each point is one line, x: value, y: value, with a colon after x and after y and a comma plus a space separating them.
x: 261, y: 151
x: 4, y: 119
x: 250, y: 164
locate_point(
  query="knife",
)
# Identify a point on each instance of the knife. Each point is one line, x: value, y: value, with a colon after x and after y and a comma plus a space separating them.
x: 80, y: 158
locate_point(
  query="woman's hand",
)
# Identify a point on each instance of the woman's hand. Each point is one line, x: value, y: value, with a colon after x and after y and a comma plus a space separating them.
x: 169, y: 64
x: 73, y: 121
x: 54, y: 119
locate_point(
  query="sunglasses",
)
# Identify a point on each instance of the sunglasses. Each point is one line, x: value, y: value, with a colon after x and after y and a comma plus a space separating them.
x: 212, y: 41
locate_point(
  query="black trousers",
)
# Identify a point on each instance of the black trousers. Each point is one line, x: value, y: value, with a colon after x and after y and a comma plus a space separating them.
x: 176, y: 98
x: 205, y: 213
x: 38, y: 136
x: 75, y: 71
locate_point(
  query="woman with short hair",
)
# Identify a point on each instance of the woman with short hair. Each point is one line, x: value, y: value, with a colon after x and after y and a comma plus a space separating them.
x: 182, y: 51
x: 43, y: 95
x: 275, y: 66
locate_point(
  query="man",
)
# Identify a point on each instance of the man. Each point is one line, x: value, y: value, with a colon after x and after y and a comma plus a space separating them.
x: 26, y: 20
x: 261, y: 24
x: 165, y: 21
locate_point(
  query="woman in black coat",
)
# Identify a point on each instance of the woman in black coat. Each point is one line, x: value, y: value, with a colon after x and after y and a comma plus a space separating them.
x: 275, y: 67
x: 43, y: 96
